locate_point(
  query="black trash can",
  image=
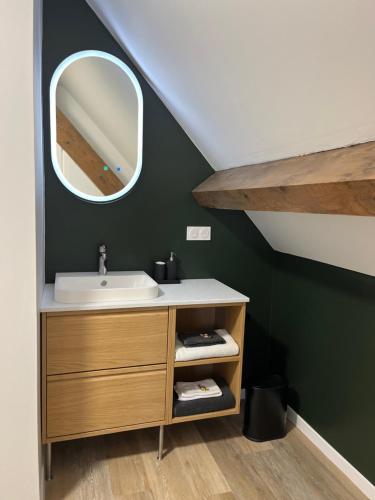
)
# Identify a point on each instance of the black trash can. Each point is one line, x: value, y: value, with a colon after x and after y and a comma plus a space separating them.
x: 265, y: 409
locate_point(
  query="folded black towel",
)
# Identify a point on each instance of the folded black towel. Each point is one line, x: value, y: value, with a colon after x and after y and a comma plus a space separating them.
x: 201, y: 338
x: 205, y: 405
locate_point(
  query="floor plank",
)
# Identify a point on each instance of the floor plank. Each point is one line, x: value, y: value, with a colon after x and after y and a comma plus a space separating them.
x: 203, y: 460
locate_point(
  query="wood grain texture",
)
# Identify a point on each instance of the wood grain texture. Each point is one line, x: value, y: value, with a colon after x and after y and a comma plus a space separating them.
x: 204, y: 416
x: 340, y: 181
x: 85, y: 156
x: 88, y: 404
x: 170, y: 363
x: 202, y: 461
x: 197, y: 318
x: 106, y: 373
x: 107, y: 340
x: 205, y: 361
x: 233, y: 320
x: 104, y: 432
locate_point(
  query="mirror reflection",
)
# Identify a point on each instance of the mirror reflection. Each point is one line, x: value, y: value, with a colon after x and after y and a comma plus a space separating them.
x: 96, y: 125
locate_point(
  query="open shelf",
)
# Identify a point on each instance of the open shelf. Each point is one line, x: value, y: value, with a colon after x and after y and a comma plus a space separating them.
x: 200, y: 416
x: 211, y: 318
x: 207, y: 361
x: 230, y: 372
x: 190, y: 373
x: 220, y: 316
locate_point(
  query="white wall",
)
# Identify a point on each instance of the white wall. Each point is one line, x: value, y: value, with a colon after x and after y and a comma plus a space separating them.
x: 343, y: 241
x: 19, y: 468
x: 74, y: 174
x: 253, y: 81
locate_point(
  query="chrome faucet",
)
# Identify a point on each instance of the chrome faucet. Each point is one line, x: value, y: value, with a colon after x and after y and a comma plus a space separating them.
x: 102, y: 260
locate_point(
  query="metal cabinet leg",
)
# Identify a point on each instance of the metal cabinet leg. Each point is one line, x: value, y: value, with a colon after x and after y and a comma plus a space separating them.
x: 48, y: 462
x: 161, y: 442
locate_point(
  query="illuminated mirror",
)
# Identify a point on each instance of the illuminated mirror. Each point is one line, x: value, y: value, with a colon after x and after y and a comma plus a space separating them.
x: 96, y: 125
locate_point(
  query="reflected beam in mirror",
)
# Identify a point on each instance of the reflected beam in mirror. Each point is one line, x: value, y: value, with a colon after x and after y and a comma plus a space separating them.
x: 84, y: 155
x: 109, y: 94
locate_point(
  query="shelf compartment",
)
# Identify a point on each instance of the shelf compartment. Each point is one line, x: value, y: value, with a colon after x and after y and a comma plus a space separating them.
x: 200, y: 416
x: 84, y: 404
x: 229, y: 371
x: 198, y: 318
x: 201, y: 406
x: 88, y: 342
x: 226, y: 317
x: 207, y: 361
x: 230, y: 317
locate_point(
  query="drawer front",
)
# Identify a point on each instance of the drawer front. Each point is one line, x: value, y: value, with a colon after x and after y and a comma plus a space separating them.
x: 79, y: 405
x: 85, y: 342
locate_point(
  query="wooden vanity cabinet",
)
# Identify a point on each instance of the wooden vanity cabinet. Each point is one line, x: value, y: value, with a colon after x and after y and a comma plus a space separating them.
x: 103, y: 371
x: 84, y: 342
x: 113, y: 370
x: 85, y: 403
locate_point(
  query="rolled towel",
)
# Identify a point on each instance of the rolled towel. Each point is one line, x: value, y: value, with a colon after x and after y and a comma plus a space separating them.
x: 207, y: 388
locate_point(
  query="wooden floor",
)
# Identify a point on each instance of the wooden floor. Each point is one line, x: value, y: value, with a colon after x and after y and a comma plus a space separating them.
x: 205, y: 460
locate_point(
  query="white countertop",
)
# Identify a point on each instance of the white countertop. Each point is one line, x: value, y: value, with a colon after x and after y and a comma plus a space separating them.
x: 188, y: 292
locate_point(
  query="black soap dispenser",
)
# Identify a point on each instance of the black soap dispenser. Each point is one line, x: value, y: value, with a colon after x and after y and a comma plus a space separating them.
x: 172, y: 268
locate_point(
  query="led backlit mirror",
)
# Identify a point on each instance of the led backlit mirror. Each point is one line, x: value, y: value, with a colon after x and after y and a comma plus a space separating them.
x: 96, y: 125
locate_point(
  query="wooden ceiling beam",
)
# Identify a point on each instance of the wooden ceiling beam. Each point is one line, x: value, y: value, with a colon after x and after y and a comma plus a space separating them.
x: 339, y: 181
x: 85, y: 156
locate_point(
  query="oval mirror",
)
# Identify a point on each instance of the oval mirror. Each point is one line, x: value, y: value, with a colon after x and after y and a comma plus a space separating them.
x: 96, y: 113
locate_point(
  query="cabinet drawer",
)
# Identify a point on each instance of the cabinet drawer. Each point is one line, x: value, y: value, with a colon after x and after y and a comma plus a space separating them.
x: 79, y: 405
x: 85, y: 342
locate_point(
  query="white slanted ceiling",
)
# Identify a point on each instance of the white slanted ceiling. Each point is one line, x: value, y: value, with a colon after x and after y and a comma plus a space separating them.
x: 254, y: 81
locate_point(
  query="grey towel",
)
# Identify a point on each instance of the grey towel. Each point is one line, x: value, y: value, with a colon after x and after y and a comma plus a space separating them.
x: 201, y: 338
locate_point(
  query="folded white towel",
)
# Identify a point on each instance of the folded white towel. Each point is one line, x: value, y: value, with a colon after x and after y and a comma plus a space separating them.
x: 230, y: 348
x: 207, y: 388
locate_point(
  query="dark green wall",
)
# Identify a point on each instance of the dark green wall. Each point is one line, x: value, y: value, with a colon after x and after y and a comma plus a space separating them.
x: 323, y: 330
x: 323, y: 317
x: 152, y: 219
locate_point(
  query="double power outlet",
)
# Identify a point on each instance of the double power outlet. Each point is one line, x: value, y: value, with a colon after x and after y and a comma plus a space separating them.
x: 198, y: 233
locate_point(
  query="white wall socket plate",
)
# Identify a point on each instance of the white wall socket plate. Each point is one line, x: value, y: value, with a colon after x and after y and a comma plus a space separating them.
x: 198, y: 233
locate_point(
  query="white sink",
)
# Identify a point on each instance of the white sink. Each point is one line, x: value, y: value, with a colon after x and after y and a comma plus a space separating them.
x: 114, y: 286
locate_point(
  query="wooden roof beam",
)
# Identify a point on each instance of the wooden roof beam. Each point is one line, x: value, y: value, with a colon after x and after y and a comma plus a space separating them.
x: 339, y: 181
